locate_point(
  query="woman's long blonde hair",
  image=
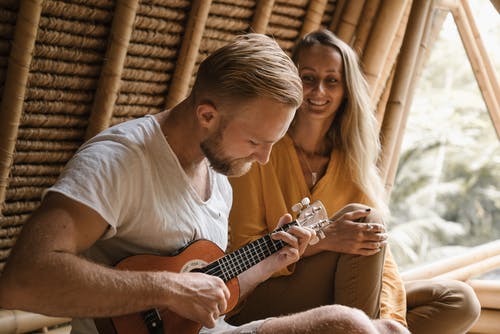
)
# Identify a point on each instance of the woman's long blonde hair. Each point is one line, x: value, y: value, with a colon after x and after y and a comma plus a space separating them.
x: 354, y: 129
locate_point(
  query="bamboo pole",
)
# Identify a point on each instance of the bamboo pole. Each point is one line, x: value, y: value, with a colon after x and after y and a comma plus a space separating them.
x: 13, y: 321
x: 337, y: 14
x: 478, y: 66
x: 404, y: 71
x: 314, y: 14
x: 480, y: 45
x: 476, y: 254
x: 366, y: 22
x: 381, y: 37
x: 496, y: 4
x: 474, y: 269
x: 349, y: 20
x: 21, y: 55
x: 487, y: 291
x: 490, y: 71
x: 382, y: 103
x: 391, y: 59
x: 60, y: 330
x: 488, y: 323
x: 436, y: 19
x: 188, y: 54
x: 261, y: 16
x: 109, y: 81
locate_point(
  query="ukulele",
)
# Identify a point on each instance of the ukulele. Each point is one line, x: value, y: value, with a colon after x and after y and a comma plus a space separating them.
x: 206, y: 257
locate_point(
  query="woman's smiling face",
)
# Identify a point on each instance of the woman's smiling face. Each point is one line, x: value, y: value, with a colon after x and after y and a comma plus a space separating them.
x: 322, y: 73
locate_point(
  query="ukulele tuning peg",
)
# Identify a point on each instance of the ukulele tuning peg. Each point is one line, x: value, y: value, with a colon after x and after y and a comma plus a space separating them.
x: 296, y: 207
x: 304, y: 203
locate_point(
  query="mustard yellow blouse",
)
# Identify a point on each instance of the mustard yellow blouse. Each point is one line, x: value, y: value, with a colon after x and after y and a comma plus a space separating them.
x: 267, y: 192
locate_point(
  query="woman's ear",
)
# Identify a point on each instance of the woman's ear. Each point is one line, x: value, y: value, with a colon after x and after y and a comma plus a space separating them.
x: 207, y: 115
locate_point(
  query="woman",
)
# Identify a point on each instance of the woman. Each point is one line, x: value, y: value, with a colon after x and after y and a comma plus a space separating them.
x: 329, y: 153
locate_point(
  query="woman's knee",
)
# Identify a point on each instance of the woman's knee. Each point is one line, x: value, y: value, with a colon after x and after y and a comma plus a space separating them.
x: 449, y: 305
x: 469, y: 307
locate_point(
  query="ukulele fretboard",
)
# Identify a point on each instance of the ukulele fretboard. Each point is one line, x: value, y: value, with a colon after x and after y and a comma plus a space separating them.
x: 235, y: 263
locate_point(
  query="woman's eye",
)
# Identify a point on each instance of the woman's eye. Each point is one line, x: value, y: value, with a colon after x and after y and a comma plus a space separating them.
x: 252, y: 143
x: 307, y: 78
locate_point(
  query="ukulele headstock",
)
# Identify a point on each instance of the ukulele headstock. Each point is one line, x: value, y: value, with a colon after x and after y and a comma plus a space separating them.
x: 312, y: 215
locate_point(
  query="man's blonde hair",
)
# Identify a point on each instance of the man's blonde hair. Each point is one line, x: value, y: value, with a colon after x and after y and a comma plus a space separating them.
x: 251, y: 66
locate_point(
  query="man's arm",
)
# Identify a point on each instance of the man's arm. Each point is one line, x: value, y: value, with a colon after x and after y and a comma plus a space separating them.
x: 45, y: 266
x: 297, y: 239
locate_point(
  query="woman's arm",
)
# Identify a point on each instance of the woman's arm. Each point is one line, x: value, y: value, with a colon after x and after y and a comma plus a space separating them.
x: 355, y: 231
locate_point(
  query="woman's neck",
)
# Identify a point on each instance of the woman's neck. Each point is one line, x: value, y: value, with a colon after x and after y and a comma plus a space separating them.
x: 311, y: 138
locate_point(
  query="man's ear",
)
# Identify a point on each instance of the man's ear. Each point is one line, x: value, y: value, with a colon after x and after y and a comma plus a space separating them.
x: 207, y: 115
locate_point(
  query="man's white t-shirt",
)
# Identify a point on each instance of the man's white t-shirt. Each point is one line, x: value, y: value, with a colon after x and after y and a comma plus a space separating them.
x: 130, y: 176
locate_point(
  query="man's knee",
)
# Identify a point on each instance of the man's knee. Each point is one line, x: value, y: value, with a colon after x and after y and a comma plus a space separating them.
x: 346, y: 319
x: 353, y: 320
x: 387, y: 326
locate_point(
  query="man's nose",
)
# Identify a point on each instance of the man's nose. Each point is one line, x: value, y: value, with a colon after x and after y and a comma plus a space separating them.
x: 262, y: 153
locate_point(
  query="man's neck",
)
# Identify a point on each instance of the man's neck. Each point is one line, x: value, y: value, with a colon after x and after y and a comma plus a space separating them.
x: 181, y: 129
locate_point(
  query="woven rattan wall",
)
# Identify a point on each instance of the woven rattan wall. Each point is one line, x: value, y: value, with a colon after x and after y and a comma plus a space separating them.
x: 96, y: 63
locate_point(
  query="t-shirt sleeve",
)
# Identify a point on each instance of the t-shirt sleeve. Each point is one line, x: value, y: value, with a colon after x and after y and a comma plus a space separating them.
x: 101, y: 176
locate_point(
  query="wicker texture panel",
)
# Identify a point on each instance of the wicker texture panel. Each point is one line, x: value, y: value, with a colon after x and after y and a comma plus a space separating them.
x: 8, y: 16
x: 285, y: 22
x: 151, y: 58
x: 226, y: 20
x: 66, y: 64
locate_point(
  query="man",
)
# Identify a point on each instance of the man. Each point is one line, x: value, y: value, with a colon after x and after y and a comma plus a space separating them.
x: 150, y: 186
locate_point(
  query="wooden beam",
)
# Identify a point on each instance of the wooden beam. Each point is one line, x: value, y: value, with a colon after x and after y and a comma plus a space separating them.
x: 489, y: 70
x: 402, y: 78
x: 109, y: 81
x: 478, y: 67
x: 261, y: 16
x: 188, y: 54
x: 474, y: 255
x: 337, y: 14
x: 487, y: 291
x: 496, y: 4
x: 382, y: 102
x: 488, y: 323
x: 365, y: 26
x: 21, y: 55
x: 434, y: 25
x: 383, y: 33
x: 13, y: 321
x: 314, y: 14
x: 475, y: 269
x: 391, y: 59
x: 349, y: 20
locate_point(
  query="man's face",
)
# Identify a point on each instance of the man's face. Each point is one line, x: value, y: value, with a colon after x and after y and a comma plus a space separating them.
x: 247, y: 137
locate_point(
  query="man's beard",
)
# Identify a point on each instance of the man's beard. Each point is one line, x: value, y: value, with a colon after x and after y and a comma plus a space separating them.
x: 212, y: 148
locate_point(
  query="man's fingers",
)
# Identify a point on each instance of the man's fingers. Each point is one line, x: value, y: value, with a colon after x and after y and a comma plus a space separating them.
x: 285, y: 219
x: 286, y: 237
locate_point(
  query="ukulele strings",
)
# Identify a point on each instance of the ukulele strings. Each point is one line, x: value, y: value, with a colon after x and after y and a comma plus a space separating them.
x: 240, y: 260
